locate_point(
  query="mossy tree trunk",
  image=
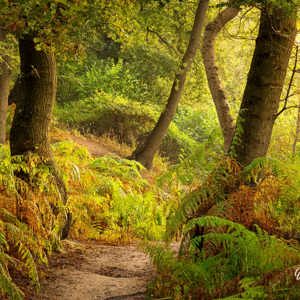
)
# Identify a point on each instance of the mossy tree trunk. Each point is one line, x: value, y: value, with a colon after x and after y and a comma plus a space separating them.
x: 264, y: 86
x: 146, y: 152
x: 34, y: 106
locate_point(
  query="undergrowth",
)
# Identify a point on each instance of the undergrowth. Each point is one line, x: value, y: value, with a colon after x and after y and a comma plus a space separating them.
x: 121, y: 118
x: 29, y: 230
x: 108, y: 197
x: 246, y: 247
x: 234, y: 262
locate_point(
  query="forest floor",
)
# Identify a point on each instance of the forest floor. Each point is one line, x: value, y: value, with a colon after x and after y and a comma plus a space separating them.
x: 97, y: 146
x: 94, y: 271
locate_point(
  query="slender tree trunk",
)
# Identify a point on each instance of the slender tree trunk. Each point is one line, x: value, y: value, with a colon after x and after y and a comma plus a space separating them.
x: 30, y: 127
x: 264, y: 86
x: 297, y: 133
x: 208, y: 53
x: 5, y: 77
x: 145, y: 153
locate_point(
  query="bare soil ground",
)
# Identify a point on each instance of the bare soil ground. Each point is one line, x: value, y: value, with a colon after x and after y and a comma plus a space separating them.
x: 93, y: 271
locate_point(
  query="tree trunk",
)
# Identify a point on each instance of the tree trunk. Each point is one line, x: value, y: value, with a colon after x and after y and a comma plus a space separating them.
x: 34, y: 106
x: 5, y: 76
x: 214, y: 83
x: 145, y: 153
x: 297, y: 133
x: 29, y: 132
x: 264, y: 85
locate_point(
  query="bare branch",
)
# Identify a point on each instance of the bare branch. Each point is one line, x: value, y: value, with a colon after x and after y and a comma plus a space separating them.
x: 288, y: 92
x: 164, y: 41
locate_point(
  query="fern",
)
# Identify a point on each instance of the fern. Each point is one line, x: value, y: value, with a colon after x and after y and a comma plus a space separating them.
x: 27, y: 249
x: 231, y: 254
x: 259, y: 168
x: 224, y: 178
x: 109, y: 197
x: 250, y: 290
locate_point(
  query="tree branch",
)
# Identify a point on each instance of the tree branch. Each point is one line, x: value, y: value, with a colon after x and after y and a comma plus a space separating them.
x: 288, y: 92
x: 164, y: 41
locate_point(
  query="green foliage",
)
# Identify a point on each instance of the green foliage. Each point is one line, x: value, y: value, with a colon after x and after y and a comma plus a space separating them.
x: 41, y: 17
x: 227, y: 254
x: 119, y: 89
x: 198, y: 125
x: 230, y: 253
x: 213, y: 189
x: 110, y: 199
x: 100, y: 75
x: 105, y: 114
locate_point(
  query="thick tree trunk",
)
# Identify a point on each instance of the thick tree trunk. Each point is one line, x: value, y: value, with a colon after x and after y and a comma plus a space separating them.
x: 208, y: 53
x: 145, y: 153
x: 29, y: 132
x: 5, y: 76
x: 34, y: 106
x: 264, y: 86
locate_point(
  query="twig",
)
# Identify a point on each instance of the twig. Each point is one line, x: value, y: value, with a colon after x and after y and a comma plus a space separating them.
x: 163, y: 41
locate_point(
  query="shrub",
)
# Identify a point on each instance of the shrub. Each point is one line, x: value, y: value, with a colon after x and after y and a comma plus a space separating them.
x: 127, y: 120
x: 109, y: 198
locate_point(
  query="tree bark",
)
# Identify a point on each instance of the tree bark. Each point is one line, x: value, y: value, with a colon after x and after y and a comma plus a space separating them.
x: 5, y: 77
x: 34, y: 106
x: 264, y: 85
x: 297, y: 133
x: 29, y: 132
x: 145, y: 153
x: 208, y: 53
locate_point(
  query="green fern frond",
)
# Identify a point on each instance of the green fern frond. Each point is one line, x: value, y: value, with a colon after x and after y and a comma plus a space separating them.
x: 214, y: 190
x: 256, y: 169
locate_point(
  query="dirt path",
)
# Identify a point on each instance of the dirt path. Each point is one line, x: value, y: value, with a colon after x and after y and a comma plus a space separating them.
x: 97, y: 146
x: 91, y: 271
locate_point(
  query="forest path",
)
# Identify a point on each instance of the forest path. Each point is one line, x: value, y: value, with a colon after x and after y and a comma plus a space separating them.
x: 93, y: 271
x: 97, y: 146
